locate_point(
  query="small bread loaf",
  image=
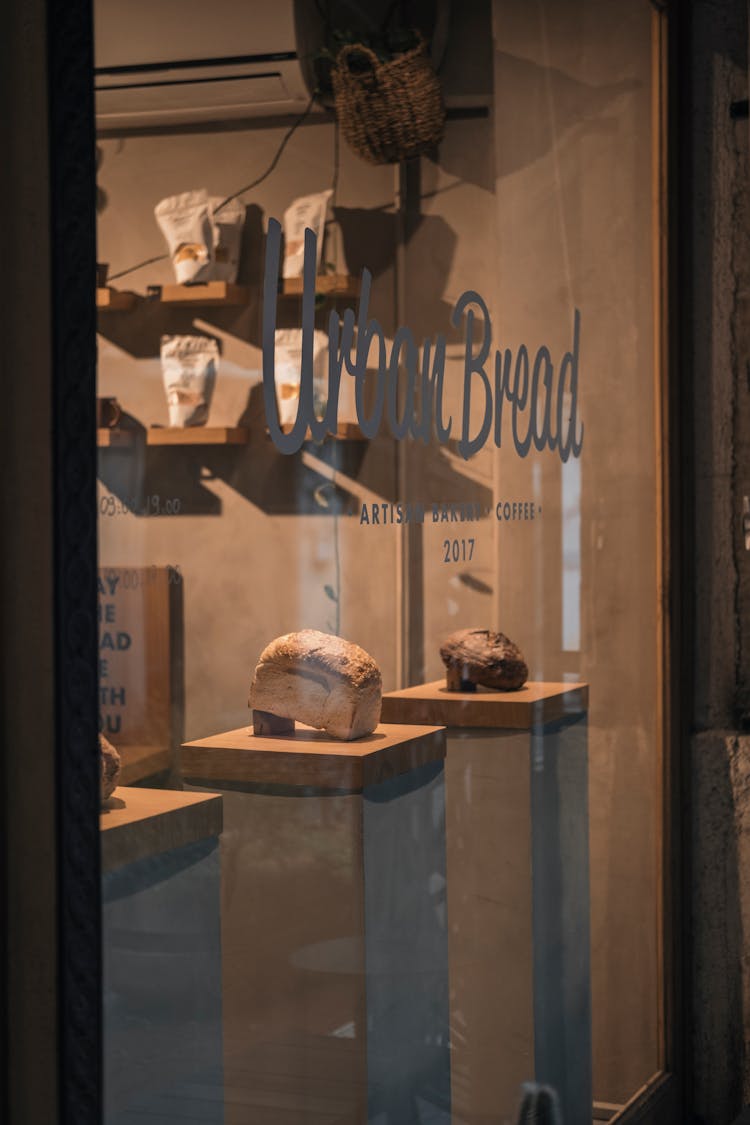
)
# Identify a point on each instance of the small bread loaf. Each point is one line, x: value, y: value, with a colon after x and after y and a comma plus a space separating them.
x: 110, y: 766
x: 479, y: 656
x: 317, y: 679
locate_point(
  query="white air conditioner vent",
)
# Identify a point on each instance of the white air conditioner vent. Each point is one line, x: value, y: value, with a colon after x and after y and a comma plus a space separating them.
x: 175, y: 62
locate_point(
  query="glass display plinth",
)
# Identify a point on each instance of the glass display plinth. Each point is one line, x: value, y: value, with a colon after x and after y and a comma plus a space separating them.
x: 162, y: 955
x: 335, y: 944
x: 518, y: 891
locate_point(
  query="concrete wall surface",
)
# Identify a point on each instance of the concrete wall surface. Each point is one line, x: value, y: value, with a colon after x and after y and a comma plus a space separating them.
x: 719, y: 752
x: 721, y: 911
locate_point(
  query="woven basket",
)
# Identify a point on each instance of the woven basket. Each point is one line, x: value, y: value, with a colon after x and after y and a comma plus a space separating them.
x: 388, y: 111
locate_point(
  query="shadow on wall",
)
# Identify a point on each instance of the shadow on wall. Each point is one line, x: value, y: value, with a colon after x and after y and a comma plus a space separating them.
x: 139, y: 331
x: 369, y: 237
x: 290, y: 485
x: 554, y: 101
x: 429, y: 312
x: 141, y: 477
x: 275, y: 483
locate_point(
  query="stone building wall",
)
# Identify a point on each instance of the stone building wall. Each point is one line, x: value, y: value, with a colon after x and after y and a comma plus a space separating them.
x: 718, y: 346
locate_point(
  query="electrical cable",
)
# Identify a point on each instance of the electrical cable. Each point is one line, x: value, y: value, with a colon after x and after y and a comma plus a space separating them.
x: 336, y: 161
x: 132, y: 269
x: 284, y: 140
x: 287, y: 137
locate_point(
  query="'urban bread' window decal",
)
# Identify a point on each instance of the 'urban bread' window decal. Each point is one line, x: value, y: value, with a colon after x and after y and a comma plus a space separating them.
x: 542, y: 414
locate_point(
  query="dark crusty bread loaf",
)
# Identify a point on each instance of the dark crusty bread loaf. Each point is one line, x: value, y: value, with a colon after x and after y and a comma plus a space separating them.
x: 320, y: 680
x: 110, y: 767
x: 480, y: 656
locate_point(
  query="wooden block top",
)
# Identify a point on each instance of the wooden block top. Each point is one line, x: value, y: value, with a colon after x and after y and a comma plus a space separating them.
x: 115, y: 300
x: 114, y: 438
x: 311, y: 758
x: 136, y: 823
x: 529, y: 707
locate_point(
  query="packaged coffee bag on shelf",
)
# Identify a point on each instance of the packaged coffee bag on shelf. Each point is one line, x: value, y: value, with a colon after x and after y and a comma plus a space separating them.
x: 189, y: 365
x: 288, y: 362
x: 347, y: 412
x: 227, y: 222
x: 186, y: 223
x: 309, y: 211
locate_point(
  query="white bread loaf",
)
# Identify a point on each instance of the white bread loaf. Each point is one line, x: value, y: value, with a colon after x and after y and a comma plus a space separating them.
x: 320, y: 680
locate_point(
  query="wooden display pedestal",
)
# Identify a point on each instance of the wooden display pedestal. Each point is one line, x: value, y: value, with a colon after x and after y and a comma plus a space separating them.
x: 518, y: 891
x: 334, y: 936
x: 162, y: 955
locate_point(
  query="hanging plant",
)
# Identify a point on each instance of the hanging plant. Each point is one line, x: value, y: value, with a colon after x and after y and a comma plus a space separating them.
x: 388, y: 98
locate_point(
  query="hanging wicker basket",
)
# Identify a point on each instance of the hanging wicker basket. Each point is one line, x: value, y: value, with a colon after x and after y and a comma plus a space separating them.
x: 388, y: 111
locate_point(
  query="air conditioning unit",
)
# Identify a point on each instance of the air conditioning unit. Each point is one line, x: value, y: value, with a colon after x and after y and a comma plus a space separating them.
x: 172, y: 62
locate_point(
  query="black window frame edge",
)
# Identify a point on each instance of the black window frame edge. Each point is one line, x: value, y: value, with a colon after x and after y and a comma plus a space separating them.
x: 51, y: 1028
x: 70, y: 61
x: 679, y: 484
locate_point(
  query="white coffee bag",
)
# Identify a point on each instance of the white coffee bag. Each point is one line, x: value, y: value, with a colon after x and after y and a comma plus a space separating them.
x: 227, y: 223
x: 310, y: 211
x: 288, y: 361
x: 189, y: 366
x: 186, y: 223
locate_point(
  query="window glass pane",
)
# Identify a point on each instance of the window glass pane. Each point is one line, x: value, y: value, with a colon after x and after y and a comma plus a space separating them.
x: 447, y: 909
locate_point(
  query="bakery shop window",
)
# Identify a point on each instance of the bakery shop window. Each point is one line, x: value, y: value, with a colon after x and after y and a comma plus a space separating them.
x: 379, y: 524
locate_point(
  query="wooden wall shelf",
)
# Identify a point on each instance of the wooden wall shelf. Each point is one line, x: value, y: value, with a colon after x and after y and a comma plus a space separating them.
x: 114, y: 438
x: 197, y: 435
x: 217, y: 293
x: 347, y: 431
x: 115, y: 300
x: 225, y: 294
x: 326, y: 285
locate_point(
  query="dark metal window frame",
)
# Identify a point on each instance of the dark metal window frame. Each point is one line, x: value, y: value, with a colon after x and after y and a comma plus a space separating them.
x: 73, y: 271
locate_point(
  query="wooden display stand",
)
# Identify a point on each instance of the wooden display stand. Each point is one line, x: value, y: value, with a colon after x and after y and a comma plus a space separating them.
x: 333, y: 927
x: 518, y: 891
x: 162, y: 954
